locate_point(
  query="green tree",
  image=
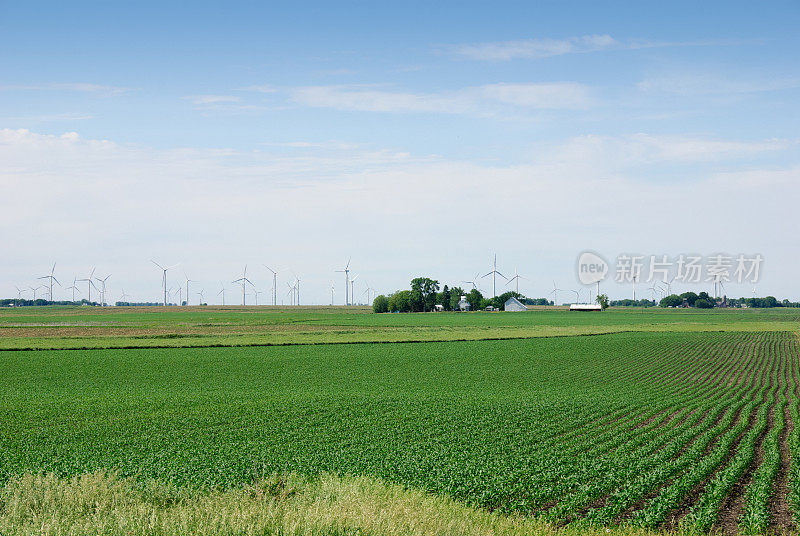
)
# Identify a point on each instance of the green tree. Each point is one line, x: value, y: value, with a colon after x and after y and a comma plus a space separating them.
x: 380, y: 304
x: 690, y: 298
x: 602, y: 299
x: 455, y: 297
x: 702, y: 303
x: 423, y: 293
x: 400, y: 301
x: 443, y: 299
x: 475, y: 298
x: 673, y: 300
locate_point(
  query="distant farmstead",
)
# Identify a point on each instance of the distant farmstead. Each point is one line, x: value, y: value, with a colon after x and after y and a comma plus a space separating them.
x: 463, y: 304
x: 513, y: 304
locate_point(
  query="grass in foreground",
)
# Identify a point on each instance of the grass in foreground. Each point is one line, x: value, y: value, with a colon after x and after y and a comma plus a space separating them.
x: 102, y: 503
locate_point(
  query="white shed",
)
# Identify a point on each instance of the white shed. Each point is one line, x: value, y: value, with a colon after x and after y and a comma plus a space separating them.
x: 463, y: 304
x: 585, y: 307
x: 513, y: 304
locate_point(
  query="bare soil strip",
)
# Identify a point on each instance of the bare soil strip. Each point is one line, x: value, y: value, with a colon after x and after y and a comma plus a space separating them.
x: 733, y: 505
x: 781, y: 519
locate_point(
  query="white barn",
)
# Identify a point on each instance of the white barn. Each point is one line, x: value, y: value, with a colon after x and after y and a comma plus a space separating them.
x: 463, y: 304
x: 513, y: 304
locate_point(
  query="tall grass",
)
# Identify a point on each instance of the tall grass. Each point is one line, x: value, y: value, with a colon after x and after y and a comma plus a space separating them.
x: 103, y: 503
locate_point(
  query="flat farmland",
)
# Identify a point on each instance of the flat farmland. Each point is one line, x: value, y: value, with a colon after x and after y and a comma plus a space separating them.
x: 153, y: 327
x: 639, y: 421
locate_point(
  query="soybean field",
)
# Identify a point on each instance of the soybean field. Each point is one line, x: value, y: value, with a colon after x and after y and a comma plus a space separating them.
x: 629, y: 425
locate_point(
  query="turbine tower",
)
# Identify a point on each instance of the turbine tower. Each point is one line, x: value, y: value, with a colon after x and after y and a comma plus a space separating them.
x: 494, y: 273
x: 103, y: 290
x: 19, y: 295
x: 73, y: 288
x: 516, y: 278
x: 51, y: 278
x: 353, y: 290
x: 244, y: 281
x: 187, y: 287
x: 555, y: 293
x: 223, y: 293
x: 274, y: 285
x: 333, y: 291
x: 346, y: 280
x: 89, y: 285
x: 123, y: 296
x: 34, y: 292
x: 201, y: 295
x: 164, y: 278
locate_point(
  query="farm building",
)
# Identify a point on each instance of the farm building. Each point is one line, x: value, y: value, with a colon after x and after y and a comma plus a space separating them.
x: 463, y: 304
x: 585, y: 307
x: 513, y: 304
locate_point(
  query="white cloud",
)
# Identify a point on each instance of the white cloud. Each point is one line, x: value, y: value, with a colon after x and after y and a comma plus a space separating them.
x: 88, y: 202
x: 650, y: 149
x: 533, y: 48
x: 686, y: 84
x: 545, y: 48
x: 98, y: 89
x: 211, y: 99
x: 487, y: 99
x: 264, y: 88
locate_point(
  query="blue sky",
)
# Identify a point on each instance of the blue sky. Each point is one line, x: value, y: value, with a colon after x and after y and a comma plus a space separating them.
x: 417, y: 139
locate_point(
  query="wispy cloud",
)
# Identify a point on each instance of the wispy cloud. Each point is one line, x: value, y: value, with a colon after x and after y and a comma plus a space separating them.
x: 264, y: 88
x: 545, y: 48
x: 48, y: 118
x: 211, y: 99
x: 487, y: 99
x: 533, y: 48
x: 82, y: 87
x: 712, y: 84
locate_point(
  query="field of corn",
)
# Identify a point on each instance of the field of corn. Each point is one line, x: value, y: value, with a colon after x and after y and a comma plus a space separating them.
x: 636, y: 424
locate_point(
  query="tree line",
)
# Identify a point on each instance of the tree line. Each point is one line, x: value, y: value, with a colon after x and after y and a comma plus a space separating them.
x: 425, y: 294
x: 704, y: 301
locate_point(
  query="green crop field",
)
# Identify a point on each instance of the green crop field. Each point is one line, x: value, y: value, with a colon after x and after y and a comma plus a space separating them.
x: 633, y: 419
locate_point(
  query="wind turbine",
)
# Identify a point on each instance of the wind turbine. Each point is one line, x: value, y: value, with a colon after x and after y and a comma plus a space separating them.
x: 89, y: 285
x: 201, y: 296
x: 333, y: 291
x: 516, y: 278
x: 555, y: 293
x: 494, y: 274
x: 73, y: 288
x: 274, y: 285
x: 474, y: 282
x: 187, y: 287
x: 19, y: 295
x: 164, y: 278
x: 123, y: 296
x: 346, y: 280
x: 34, y: 292
x: 290, y: 293
x: 223, y: 293
x: 256, y: 293
x: 244, y: 282
x: 353, y: 290
x: 51, y: 278
x: 297, y: 288
x: 578, y: 296
x: 103, y: 290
